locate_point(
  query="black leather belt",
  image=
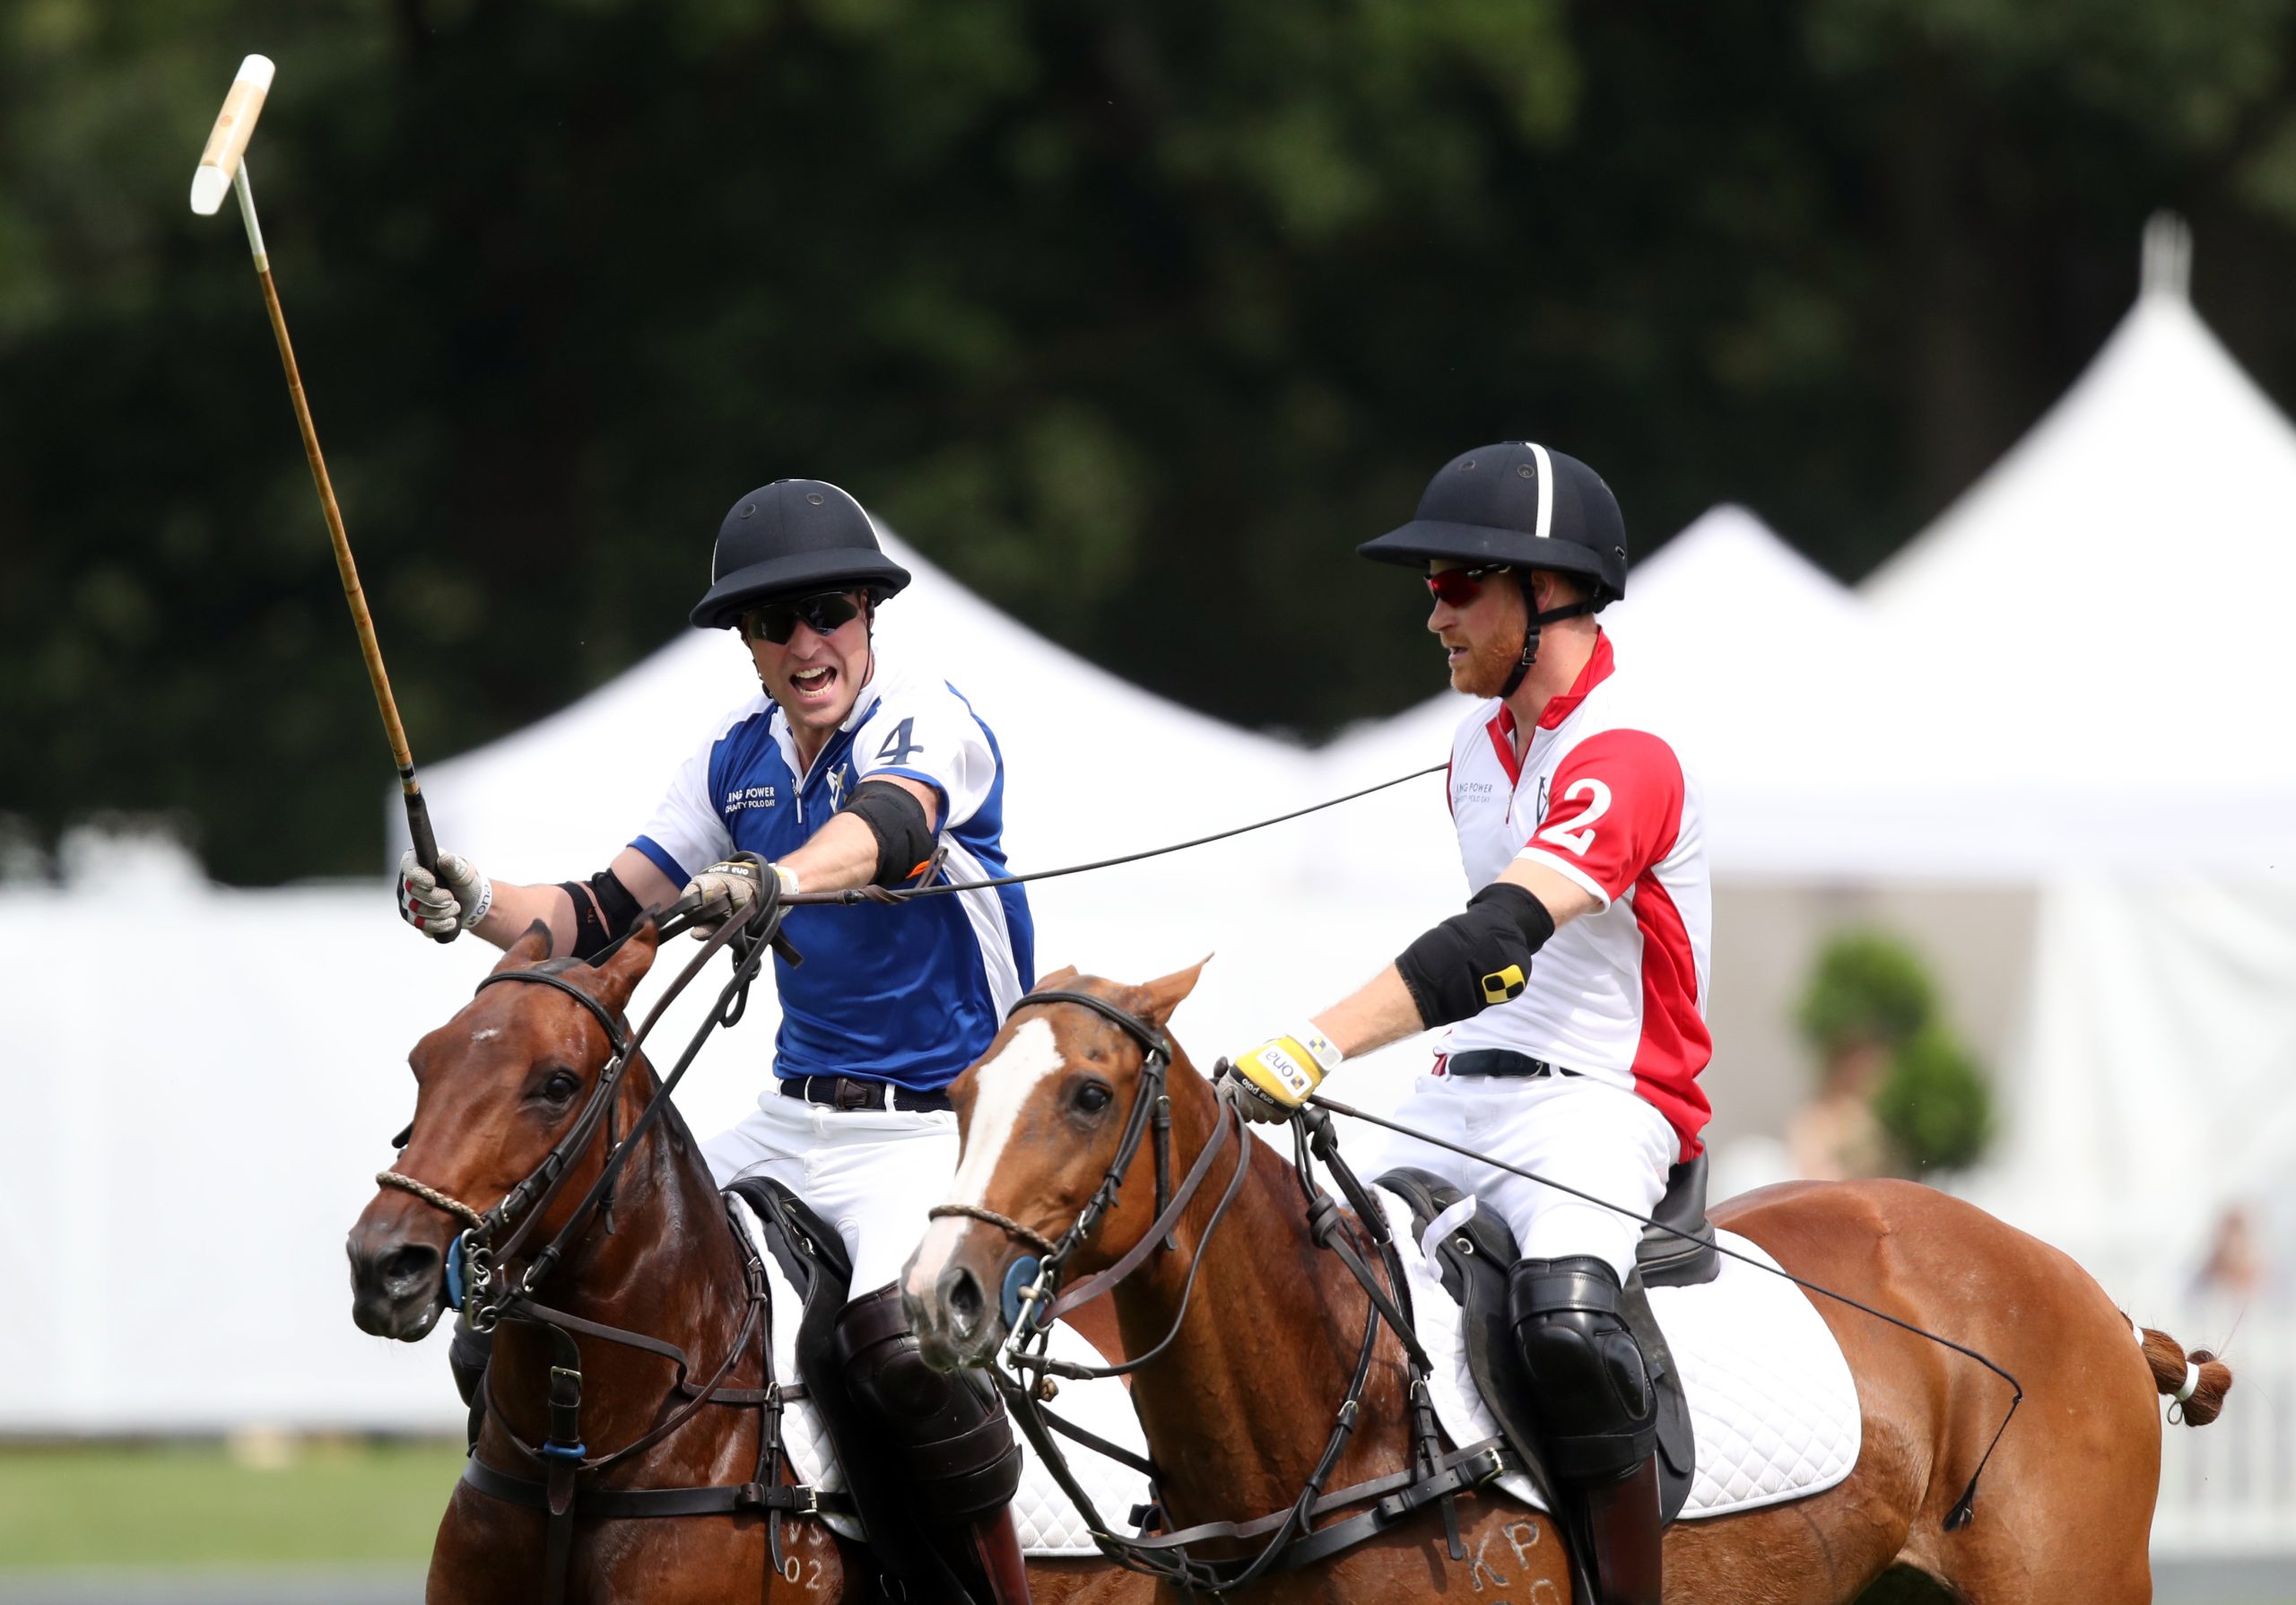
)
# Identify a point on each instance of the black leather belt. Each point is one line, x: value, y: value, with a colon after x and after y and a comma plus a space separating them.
x: 1499, y: 1061
x: 848, y: 1092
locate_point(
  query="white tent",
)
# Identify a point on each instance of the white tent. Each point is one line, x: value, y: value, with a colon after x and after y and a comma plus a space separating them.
x: 2105, y: 616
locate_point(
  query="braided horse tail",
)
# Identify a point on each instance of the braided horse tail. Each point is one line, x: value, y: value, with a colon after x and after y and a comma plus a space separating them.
x: 2197, y: 1382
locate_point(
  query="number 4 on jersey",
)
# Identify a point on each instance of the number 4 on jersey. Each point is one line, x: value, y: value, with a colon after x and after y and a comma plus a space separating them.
x: 897, y: 745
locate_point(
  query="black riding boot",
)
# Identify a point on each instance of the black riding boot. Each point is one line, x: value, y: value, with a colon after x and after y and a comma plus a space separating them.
x: 947, y: 1440
x: 1598, y: 1412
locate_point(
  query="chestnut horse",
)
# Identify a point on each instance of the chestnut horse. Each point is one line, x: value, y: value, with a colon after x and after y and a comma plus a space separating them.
x: 1240, y: 1405
x: 496, y: 1087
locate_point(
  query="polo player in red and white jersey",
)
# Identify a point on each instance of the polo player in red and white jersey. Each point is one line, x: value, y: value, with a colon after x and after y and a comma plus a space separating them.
x: 1581, y: 835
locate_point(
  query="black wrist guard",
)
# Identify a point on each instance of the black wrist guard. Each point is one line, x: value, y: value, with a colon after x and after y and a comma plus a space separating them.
x: 897, y: 819
x: 603, y: 908
x: 1477, y: 958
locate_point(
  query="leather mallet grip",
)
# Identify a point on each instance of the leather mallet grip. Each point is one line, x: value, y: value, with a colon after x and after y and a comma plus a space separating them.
x: 234, y: 125
x: 425, y: 843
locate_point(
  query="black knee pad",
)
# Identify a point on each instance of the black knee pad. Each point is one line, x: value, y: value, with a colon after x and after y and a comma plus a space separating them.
x: 947, y: 1432
x: 1592, y: 1392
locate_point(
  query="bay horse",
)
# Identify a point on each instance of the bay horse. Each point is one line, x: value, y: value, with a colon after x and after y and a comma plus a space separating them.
x: 496, y: 1086
x: 1238, y: 1407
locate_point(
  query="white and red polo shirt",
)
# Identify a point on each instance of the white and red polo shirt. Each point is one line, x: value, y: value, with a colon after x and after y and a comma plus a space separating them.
x: 1618, y: 994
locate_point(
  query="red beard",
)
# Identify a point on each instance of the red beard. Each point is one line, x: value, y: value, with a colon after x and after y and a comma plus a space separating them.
x: 1483, y: 671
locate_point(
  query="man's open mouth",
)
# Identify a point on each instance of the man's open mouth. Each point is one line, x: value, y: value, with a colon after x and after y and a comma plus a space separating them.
x: 813, y: 682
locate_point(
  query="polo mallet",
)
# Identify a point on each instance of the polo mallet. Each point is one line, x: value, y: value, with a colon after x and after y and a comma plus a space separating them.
x: 222, y: 166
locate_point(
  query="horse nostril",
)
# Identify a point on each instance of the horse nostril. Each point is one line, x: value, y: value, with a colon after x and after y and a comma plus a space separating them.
x: 961, y: 1296
x: 407, y: 1268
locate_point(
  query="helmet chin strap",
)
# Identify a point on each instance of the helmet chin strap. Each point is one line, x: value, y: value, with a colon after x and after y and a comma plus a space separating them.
x: 1538, y: 621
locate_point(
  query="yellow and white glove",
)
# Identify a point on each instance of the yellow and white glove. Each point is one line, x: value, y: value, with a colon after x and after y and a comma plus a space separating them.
x: 1275, y: 1078
x: 445, y: 904
x: 736, y: 882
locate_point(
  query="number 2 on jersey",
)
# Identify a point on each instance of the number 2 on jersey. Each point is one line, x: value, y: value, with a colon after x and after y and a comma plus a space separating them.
x: 898, y: 745
x: 1579, y: 841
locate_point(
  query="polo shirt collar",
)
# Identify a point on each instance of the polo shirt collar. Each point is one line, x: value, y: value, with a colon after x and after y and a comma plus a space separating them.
x: 1599, y: 666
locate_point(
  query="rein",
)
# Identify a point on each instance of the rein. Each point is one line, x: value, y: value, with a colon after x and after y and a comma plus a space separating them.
x: 1032, y: 1302
x: 479, y: 1278
x: 860, y: 894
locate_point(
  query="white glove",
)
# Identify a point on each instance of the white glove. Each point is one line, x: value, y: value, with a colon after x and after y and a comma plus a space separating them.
x: 445, y: 904
x: 735, y: 881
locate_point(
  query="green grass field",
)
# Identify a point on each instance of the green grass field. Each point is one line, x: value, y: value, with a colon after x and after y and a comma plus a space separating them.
x: 277, y: 1502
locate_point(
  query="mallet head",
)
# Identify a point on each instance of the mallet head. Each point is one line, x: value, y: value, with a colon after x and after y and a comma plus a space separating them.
x: 228, y: 142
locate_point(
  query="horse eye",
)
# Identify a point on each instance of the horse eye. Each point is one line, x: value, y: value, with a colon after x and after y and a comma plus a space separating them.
x: 1092, y: 1097
x: 561, y: 1086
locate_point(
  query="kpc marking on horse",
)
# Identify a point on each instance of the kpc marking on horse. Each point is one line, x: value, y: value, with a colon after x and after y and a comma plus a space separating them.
x: 1004, y: 1085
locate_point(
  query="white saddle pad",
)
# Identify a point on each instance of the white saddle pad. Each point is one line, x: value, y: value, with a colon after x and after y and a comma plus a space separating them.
x: 1050, y: 1525
x: 1772, y: 1405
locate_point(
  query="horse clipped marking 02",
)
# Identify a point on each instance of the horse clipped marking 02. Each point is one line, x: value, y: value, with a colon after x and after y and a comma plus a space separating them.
x: 499, y: 1086
x: 1238, y: 1409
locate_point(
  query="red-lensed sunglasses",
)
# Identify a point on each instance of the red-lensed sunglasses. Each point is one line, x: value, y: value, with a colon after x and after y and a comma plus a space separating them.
x: 1458, y: 588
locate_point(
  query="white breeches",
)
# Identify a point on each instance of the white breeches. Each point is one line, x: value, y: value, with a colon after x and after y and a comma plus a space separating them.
x: 871, y: 1174
x: 1599, y: 1138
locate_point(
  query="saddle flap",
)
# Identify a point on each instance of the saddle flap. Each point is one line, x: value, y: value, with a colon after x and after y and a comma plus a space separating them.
x: 807, y: 1247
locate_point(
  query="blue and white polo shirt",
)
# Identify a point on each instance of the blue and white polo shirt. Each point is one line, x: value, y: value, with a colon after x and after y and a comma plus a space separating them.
x: 910, y: 993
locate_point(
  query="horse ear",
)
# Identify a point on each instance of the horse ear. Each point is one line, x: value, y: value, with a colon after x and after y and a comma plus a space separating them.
x: 620, y: 973
x: 1058, y: 978
x: 531, y: 948
x: 1166, y: 992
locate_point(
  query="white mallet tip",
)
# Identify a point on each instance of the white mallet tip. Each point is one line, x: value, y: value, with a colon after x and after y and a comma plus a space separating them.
x: 209, y: 186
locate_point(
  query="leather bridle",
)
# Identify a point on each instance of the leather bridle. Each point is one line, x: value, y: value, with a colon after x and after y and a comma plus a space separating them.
x: 1032, y: 1301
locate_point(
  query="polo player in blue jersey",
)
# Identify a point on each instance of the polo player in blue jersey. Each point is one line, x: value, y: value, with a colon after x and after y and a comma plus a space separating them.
x: 848, y: 769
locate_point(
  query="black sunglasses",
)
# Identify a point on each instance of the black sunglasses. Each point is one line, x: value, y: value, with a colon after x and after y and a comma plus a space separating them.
x: 777, y: 621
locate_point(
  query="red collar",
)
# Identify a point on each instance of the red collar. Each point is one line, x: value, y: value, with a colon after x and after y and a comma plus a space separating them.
x: 1597, y: 671
x: 1501, y: 726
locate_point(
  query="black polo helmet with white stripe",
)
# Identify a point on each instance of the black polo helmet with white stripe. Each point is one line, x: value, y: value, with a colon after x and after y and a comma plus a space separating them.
x: 1520, y: 504
x: 791, y: 538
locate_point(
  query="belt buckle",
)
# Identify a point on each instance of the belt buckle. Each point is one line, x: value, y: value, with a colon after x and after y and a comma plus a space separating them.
x: 854, y: 1095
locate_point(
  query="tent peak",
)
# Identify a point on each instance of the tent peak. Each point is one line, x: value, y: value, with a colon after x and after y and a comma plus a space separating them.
x: 2165, y: 258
